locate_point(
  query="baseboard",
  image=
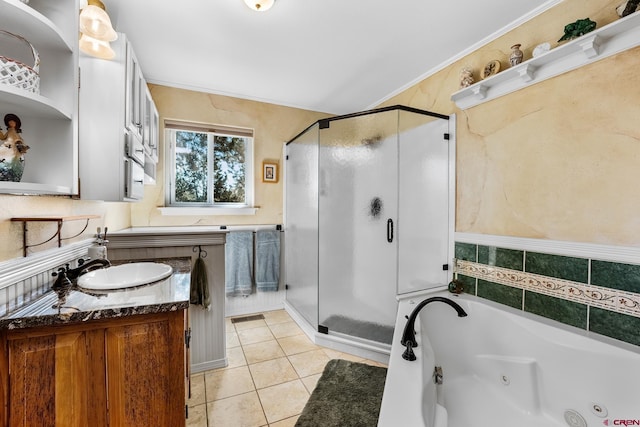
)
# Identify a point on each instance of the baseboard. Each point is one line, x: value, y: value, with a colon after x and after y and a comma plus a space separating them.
x: 252, y: 310
x: 207, y: 366
x: 361, y: 349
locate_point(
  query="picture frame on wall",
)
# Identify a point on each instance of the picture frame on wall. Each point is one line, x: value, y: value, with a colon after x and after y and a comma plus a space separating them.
x: 269, y: 172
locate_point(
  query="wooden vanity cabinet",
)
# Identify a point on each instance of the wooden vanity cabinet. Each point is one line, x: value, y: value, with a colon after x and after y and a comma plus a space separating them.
x: 128, y: 371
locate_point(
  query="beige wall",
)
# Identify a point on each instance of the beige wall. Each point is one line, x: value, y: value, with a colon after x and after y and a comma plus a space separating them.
x: 557, y: 160
x: 273, y: 125
x: 114, y: 215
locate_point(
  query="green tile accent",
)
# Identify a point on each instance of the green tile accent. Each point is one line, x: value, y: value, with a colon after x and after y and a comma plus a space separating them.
x: 500, y: 293
x: 561, y: 267
x: 466, y: 251
x: 569, y: 312
x: 468, y: 283
x: 499, y: 257
x: 625, y: 277
x: 615, y: 325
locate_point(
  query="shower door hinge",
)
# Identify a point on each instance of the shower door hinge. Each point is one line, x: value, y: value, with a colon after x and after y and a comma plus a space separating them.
x: 323, y: 329
x: 287, y: 158
x: 446, y: 136
x: 445, y: 267
x: 286, y: 286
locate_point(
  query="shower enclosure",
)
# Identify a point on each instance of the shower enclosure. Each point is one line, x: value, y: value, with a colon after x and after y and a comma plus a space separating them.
x: 368, y: 215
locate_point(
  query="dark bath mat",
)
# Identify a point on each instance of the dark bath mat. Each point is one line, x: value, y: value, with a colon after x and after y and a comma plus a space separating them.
x: 348, y: 394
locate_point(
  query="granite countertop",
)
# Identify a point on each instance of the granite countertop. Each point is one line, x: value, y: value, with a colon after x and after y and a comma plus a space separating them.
x: 170, y: 294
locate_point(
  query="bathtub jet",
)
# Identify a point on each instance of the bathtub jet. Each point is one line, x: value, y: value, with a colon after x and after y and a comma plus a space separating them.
x: 409, y: 334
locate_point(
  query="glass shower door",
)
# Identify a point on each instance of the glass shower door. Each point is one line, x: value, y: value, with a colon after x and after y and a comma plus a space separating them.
x: 358, y: 169
x: 423, y: 202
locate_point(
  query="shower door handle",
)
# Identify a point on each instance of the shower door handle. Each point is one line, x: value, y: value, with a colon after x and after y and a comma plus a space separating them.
x: 389, y: 230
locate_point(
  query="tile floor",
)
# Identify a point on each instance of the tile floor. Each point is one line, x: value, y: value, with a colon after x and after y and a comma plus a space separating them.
x: 273, y: 368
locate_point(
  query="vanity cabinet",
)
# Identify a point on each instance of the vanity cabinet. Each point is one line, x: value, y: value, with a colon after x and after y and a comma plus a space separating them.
x: 113, y: 128
x: 128, y: 371
x: 48, y: 117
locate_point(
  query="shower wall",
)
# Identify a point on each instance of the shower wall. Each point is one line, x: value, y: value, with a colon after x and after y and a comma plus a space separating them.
x: 301, y: 225
x: 367, y: 218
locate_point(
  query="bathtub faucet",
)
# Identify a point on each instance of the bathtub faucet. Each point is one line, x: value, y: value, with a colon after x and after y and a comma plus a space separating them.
x: 409, y: 334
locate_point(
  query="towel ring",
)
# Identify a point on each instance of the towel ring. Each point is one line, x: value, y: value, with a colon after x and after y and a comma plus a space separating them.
x: 201, y: 252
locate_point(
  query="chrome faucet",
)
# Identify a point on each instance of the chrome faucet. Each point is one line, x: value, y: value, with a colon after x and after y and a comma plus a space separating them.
x: 409, y: 334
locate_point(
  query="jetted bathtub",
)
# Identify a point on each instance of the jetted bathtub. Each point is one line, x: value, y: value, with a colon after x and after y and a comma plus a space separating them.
x: 502, y: 368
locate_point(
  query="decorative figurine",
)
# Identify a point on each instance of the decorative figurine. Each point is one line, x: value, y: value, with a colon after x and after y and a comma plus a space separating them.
x: 516, y: 55
x: 466, y: 77
x: 627, y: 8
x: 541, y: 49
x: 577, y: 29
x: 12, y: 150
x: 491, y: 68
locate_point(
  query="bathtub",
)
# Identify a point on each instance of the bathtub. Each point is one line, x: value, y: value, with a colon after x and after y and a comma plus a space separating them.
x: 502, y: 368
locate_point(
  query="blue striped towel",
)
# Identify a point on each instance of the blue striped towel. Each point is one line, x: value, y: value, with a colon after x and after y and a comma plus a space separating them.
x: 238, y: 263
x: 267, y: 260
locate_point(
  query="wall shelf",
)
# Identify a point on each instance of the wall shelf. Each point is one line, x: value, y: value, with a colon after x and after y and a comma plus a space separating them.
x: 620, y: 35
x: 60, y: 220
x: 42, y: 31
x: 21, y: 102
x: 50, y: 117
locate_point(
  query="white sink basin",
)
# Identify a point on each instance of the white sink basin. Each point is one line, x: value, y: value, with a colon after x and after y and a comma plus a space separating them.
x: 125, y: 276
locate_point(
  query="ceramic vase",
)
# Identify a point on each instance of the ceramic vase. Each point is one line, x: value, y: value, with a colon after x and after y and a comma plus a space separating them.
x: 516, y: 55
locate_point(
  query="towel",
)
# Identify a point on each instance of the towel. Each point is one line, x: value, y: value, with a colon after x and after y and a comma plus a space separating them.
x: 267, y: 260
x: 238, y: 263
x: 199, y: 294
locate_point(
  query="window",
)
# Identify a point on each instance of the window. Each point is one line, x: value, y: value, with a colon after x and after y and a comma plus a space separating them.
x: 209, y: 166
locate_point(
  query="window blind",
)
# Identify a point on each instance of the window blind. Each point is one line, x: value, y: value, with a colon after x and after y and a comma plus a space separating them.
x: 204, y: 127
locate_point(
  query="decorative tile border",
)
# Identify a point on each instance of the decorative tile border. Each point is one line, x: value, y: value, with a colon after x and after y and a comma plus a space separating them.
x: 595, y: 296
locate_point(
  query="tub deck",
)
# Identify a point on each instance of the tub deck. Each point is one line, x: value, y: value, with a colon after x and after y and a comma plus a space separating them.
x: 504, y: 368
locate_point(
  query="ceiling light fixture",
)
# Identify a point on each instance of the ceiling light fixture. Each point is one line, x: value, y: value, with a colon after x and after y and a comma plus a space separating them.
x: 94, y: 47
x: 96, y: 29
x: 260, y: 5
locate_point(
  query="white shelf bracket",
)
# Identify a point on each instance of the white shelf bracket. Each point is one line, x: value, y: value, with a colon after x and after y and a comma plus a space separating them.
x: 526, y: 73
x: 591, y: 46
x: 480, y: 91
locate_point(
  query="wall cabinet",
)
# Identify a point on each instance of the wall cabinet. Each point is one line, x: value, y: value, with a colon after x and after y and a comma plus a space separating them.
x: 49, y: 118
x: 114, y: 131
x: 121, y: 372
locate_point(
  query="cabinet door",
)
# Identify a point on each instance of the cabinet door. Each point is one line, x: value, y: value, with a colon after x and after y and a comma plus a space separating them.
x: 150, y: 126
x: 145, y: 363
x: 134, y: 95
x: 154, y: 130
x: 50, y: 382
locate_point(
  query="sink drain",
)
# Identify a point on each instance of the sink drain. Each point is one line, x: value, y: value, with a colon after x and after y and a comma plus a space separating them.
x: 574, y: 419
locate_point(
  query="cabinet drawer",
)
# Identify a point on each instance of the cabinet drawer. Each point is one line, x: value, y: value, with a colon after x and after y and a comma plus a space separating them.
x: 134, y: 180
x: 134, y: 148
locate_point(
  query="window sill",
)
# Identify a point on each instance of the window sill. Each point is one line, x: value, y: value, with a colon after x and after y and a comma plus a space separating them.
x: 191, y: 211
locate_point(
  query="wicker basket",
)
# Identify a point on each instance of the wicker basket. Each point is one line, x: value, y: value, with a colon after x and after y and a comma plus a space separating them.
x: 15, y: 73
